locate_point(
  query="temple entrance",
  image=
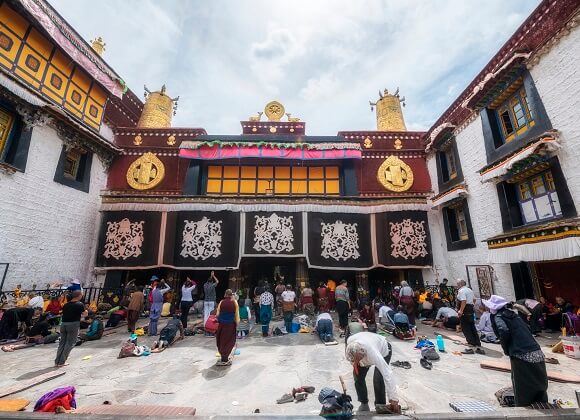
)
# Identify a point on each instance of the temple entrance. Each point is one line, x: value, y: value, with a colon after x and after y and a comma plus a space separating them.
x: 382, y: 281
x: 558, y: 279
x: 267, y: 269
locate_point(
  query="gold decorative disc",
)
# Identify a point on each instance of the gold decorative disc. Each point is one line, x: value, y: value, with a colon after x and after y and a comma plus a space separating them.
x: 274, y: 111
x: 146, y: 172
x: 395, y: 175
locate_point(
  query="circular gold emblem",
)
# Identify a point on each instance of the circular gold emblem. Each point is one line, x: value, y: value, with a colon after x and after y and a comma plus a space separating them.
x: 395, y: 175
x: 146, y: 172
x: 274, y: 111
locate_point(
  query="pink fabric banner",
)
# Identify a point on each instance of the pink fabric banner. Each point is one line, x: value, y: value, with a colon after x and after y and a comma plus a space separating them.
x: 235, y: 152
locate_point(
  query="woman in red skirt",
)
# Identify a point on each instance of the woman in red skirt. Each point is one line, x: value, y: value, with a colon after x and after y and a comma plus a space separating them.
x: 228, y: 315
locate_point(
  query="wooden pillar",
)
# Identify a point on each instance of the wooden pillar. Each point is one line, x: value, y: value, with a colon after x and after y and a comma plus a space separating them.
x: 362, y: 286
x: 301, y: 273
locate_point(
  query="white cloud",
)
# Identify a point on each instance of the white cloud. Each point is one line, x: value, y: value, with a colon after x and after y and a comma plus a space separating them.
x: 323, y: 59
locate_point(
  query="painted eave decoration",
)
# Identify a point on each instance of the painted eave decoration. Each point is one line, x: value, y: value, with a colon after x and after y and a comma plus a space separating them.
x: 545, y: 144
x: 211, y: 150
x: 454, y: 193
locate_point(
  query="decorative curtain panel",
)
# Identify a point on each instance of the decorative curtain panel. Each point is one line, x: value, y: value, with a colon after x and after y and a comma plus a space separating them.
x: 273, y: 234
x: 129, y: 239
x: 340, y: 241
x: 402, y: 239
x: 200, y: 239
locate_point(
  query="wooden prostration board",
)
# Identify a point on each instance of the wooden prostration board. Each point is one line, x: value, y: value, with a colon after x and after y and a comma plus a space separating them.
x: 22, y: 385
x: 13, y: 405
x: 136, y: 410
x: 553, y: 376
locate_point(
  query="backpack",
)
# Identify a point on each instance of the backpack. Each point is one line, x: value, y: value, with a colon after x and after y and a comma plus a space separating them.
x: 211, y: 325
x: 430, y: 353
x: 335, y: 405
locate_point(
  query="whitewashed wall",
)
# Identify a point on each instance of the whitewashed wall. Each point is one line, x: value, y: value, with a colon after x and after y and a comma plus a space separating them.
x: 47, y: 230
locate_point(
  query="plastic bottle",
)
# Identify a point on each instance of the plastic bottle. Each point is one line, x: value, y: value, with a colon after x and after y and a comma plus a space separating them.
x: 440, y: 344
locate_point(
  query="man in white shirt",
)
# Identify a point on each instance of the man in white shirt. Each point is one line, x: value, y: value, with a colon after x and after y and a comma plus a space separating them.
x: 36, y: 301
x: 447, y: 317
x: 367, y: 349
x: 288, y: 303
x: 466, y: 312
x: 386, y: 315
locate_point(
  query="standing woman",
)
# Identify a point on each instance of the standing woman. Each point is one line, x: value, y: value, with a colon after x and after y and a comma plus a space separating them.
x: 186, y: 300
x: 228, y: 315
x: 322, y: 294
x: 529, y: 378
x: 266, y: 303
x: 156, y: 305
x: 258, y: 290
x: 342, y: 304
x: 406, y: 295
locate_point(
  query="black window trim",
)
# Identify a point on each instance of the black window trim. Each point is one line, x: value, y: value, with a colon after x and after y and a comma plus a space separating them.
x: 447, y: 143
x: 83, y: 181
x: 446, y: 212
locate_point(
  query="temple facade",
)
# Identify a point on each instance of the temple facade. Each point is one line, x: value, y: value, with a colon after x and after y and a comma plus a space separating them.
x: 110, y: 191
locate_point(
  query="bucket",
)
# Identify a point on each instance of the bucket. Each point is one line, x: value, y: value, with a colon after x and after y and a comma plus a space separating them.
x: 571, y: 346
x: 295, y: 327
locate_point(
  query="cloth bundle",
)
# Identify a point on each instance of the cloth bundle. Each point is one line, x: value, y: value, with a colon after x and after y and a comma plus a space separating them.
x: 335, y: 405
x: 59, y: 397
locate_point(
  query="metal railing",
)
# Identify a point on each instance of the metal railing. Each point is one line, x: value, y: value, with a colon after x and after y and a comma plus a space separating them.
x: 112, y: 296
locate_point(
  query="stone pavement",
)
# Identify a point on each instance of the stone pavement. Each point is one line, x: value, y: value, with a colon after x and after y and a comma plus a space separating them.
x: 266, y: 368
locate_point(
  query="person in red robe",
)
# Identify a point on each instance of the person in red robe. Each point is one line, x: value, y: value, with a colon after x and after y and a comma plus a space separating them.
x: 228, y: 315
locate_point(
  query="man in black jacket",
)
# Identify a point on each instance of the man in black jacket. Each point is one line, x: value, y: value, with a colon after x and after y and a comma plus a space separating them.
x: 529, y: 377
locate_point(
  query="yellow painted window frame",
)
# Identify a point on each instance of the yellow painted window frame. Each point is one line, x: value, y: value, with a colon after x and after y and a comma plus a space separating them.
x: 520, y: 97
x: 463, y: 232
x: 6, y: 125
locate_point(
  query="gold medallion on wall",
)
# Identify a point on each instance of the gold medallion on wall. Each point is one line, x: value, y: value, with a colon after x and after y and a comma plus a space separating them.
x: 274, y: 111
x: 395, y: 175
x: 146, y: 172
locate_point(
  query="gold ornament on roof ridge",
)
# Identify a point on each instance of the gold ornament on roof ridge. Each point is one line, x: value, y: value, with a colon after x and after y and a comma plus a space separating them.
x: 158, y: 110
x: 274, y: 110
x: 98, y: 45
x: 398, y: 144
x: 138, y: 140
x: 395, y: 175
x: 256, y: 118
x: 146, y: 172
x: 389, y: 112
x: 171, y: 140
x: 368, y: 143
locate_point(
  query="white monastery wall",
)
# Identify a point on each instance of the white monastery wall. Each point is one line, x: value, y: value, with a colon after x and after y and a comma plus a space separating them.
x: 47, y: 230
x: 557, y: 78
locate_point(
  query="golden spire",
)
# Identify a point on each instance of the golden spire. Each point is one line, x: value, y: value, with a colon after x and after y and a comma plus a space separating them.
x: 158, y: 109
x: 389, y: 112
x: 98, y: 45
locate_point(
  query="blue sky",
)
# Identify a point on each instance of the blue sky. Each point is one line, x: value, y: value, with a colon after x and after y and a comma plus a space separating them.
x: 324, y: 59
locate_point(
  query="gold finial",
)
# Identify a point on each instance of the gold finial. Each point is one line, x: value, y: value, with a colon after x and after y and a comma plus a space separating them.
x: 292, y: 119
x: 274, y: 111
x: 368, y: 143
x: 398, y: 144
x: 158, y: 109
x: 389, y: 111
x: 138, y: 140
x: 98, y: 45
x: 257, y: 117
x: 171, y: 140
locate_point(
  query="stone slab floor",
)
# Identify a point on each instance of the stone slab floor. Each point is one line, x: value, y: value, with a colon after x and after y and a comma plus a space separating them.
x: 266, y: 368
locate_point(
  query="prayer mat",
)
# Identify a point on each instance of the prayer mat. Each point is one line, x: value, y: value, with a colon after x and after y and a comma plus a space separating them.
x: 137, y: 410
x: 13, y: 405
x: 553, y: 376
x: 22, y: 385
x: 331, y: 343
x: 471, y: 406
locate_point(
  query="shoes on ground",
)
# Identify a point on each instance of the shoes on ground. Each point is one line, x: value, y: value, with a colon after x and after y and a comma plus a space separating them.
x: 363, y: 408
x: 468, y: 351
x: 286, y: 398
x: 404, y: 365
x: 301, y: 396
x: 479, y: 350
x: 426, y: 364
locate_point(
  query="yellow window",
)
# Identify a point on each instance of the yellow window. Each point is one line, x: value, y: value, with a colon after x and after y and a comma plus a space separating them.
x: 214, y: 172
x: 6, y: 120
x: 249, y: 172
x: 283, y: 172
x: 214, y: 186
x: 265, y: 172
x: 231, y: 172
x: 230, y: 186
x: 316, y: 172
x: 332, y: 187
x: 282, y: 187
x: 264, y: 185
x: 248, y: 186
x: 525, y: 192
x: 299, y: 172
x: 299, y: 186
x: 550, y: 181
x: 332, y: 172
x: 538, y: 185
x: 316, y: 187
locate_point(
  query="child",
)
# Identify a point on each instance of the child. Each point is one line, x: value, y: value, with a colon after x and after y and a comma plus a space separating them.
x: 245, y: 316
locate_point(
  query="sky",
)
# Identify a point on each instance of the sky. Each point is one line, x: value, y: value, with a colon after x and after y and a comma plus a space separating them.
x: 322, y: 59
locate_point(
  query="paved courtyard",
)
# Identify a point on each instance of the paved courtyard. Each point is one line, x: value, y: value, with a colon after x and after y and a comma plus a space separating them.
x: 265, y: 369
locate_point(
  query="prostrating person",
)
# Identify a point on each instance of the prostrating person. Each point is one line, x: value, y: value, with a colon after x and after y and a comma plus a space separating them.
x: 95, y: 330
x: 135, y: 308
x: 168, y: 335
x: 324, y: 327
x: 367, y: 316
x: 69, y: 327
x: 342, y: 304
x: 322, y: 296
x: 209, y: 295
x: 266, y: 304
x: 466, y: 312
x: 159, y: 289
x: 364, y: 350
x: 307, y: 301
x: 288, y: 305
x: 10, y: 322
x: 406, y: 296
x: 533, y: 315
x: 447, y: 318
x: 186, y: 300
x: 528, y: 367
x: 228, y: 315
x: 35, y: 301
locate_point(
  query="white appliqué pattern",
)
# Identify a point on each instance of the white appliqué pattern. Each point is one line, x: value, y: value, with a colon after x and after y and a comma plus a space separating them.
x: 273, y: 234
x: 202, y: 239
x: 339, y: 241
x: 124, y: 239
x: 408, y: 239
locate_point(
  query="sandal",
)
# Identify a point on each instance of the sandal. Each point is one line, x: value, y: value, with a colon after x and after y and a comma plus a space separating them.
x: 468, y: 351
x: 404, y: 365
x: 286, y: 398
x: 426, y: 364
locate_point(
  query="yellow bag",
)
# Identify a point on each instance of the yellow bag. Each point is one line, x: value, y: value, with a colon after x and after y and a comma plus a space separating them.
x: 139, y: 331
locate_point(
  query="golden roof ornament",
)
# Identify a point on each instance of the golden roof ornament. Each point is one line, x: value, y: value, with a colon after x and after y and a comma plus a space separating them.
x: 158, y: 110
x: 395, y: 175
x: 274, y: 111
x: 368, y: 143
x: 146, y: 172
x: 389, y: 111
x: 98, y: 45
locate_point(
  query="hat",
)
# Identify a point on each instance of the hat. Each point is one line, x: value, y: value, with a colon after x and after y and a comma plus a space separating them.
x: 75, y: 281
x: 444, y: 281
x: 495, y: 303
x: 154, y: 278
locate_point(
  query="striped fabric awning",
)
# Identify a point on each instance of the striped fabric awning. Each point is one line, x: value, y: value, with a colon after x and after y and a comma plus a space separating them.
x: 212, y: 150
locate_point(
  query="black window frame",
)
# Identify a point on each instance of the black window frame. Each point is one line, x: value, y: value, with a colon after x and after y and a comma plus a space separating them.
x: 495, y: 146
x: 510, y: 209
x: 444, y: 179
x: 83, y: 178
x: 454, y: 241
